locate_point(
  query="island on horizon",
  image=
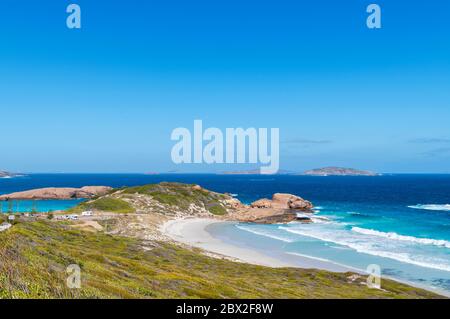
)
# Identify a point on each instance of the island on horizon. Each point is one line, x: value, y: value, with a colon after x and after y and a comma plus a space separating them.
x: 338, y: 171
x: 6, y: 174
x: 324, y: 171
x: 255, y: 171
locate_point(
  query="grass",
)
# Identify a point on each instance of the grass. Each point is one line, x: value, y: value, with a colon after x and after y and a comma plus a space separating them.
x: 181, y: 196
x: 217, y: 210
x: 34, y: 256
x: 107, y: 204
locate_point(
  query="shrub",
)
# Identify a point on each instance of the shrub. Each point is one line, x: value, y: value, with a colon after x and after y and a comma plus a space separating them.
x: 107, y: 204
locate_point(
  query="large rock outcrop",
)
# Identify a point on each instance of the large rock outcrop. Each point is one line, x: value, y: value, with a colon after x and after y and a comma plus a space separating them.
x: 58, y: 193
x: 289, y: 201
x: 262, y: 203
x: 282, y: 208
x: 233, y: 203
x: 283, y: 201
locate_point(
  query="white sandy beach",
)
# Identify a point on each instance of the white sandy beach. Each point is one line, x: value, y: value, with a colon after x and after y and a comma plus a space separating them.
x: 191, y: 231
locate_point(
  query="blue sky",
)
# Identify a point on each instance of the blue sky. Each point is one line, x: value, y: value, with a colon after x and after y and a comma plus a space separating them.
x: 106, y: 98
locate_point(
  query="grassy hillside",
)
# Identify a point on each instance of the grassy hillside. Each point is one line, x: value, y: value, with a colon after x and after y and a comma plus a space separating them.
x: 109, y: 204
x: 163, y: 199
x: 181, y: 196
x: 34, y: 256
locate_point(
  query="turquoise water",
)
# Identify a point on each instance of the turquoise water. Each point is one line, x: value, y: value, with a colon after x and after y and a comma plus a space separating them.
x: 343, y: 241
x: 27, y: 206
x: 400, y: 222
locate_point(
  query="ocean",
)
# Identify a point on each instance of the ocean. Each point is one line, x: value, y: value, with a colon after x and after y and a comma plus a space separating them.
x: 399, y: 222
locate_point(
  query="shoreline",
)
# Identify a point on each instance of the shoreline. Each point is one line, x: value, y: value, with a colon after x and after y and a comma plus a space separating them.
x: 192, y: 232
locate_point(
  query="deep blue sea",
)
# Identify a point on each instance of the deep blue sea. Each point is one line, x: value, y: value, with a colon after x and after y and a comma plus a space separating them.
x: 399, y: 222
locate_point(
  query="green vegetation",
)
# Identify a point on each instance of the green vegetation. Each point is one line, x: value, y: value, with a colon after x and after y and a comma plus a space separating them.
x: 181, y: 196
x: 217, y: 210
x: 144, y: 189
x: 170, y: 195
x: 107, y: 204
x: 34, y: 257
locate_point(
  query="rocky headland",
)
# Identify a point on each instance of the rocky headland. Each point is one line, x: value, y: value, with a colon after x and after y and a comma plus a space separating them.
x: 181, y: 199
x: 58, y: 193
x: 282, y: 208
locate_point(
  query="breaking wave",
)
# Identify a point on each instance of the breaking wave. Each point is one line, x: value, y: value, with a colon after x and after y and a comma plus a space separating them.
x: 436, y: 207
x: 364, y: 245
x: 395, y: 236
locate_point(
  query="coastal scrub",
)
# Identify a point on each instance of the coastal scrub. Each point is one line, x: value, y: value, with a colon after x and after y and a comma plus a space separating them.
x: 34, y: 257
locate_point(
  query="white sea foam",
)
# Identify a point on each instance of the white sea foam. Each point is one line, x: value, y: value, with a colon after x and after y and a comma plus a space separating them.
x: 339, y: 247
x: 314, y: 218
x: 310, y: 257
x: 265, y: 234
x: 436, y: 207
x: 320, y: 219
x: 365, y: 245
x: 395, y: 236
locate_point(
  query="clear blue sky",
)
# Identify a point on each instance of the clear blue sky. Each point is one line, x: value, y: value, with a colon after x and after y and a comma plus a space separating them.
x: 106, y: 98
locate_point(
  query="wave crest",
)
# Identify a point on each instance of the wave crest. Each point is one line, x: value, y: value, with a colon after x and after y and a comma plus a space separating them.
x: 368, y: 248
x: 435, y: 207
x: 395, y: 236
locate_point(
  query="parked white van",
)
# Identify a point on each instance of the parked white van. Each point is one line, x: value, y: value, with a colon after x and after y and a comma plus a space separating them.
x: 87, y: 213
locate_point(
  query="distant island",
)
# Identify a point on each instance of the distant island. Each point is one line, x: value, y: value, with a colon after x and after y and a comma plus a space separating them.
x: 5, y: 174
x: 254, y: 172
x: 338, y: 171
x: 325, y: 171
